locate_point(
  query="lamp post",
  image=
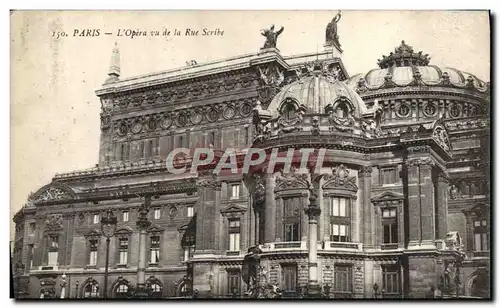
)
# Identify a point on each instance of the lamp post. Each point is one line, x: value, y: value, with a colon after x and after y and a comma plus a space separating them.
x: 63, y: 286
x: 108, y: 228
x: 76, y: 289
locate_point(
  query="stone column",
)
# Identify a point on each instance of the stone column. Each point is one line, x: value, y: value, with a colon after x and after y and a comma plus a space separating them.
x: 270, y: 210
x: 420, y: 200
x: 367, y: 213
x: 143, y: 224
x: 427, y: 200
x: 313, y: 212
x: 442, y: 205
x: 208, y: 222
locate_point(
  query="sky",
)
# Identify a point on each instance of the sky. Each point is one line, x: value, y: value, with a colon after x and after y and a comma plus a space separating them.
x: 54, y: 115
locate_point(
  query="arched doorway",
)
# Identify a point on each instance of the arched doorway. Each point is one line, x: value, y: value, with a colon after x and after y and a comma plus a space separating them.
x: 481, y: 286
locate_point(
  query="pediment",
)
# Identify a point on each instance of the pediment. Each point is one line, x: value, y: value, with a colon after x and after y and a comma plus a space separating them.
x: 93, y: 233
x: 232, y: 208
x: 387, y: 197
x: 54, y: 191
x: 124, y: 231
x: 477, y: 209
x: 155, y: 229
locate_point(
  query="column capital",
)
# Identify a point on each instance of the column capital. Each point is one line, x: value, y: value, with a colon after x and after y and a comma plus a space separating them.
x: 365, y: 171
x: 210, y: 182
x: 419, y: 149
x: 443, y: 178
x: 420, y: 161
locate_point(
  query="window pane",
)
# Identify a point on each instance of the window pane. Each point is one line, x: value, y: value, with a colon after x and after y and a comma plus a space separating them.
x: 52, y: 258
x: 93, y: 258
x: 190, y: 211
x: 125, y: 216
x: 477, y: 242
x: 342, y: 205
x: 394, y: 233
x: 385, y: 213
x: 335, y: 207
x: 387, y: 237
x: 477, y: 223
x: 335, y: 229
x: 485, y: 242
x: 483, y: 223
x: 342, y: 230
x: 123, y: 257
x: 393, y: 213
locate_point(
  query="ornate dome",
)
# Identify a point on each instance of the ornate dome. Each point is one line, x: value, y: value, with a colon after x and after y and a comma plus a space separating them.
x: 404, y: 67
x: 316, y: 89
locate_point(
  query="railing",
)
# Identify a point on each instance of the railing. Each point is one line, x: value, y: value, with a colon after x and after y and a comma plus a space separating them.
x: 388, y: 246
x: 287, y: 245
x: 343, y: 245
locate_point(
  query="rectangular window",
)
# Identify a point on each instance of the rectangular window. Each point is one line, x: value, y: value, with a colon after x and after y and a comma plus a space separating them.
x: 340, y: 219
x: 390, y: 278
x: 233, y: 282
x: 481, y: 235
x: 343, y: 281
x: 53, y: 258
x: 211, y: 139
x: 289, y: 277
x: 235, y: 191
x: 154, y: 250
x: 291, y: 219
x: 125, y: 216
x: 388, y: 175
x: 188, y: 252
x: 54, y: 242
x: 96, y: 218
x: 190, y: 211
x: 234, y: 235
x: 32, y: 228
x: 390, y: 226
x: 247, y: 136
x: 141, y: 148
x: 157, y: 213
x: 30, y: 256
x: 93, y: 252
x: 123, y: 250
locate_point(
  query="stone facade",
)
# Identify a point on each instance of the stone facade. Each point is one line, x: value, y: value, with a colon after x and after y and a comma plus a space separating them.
x: 406, y: 162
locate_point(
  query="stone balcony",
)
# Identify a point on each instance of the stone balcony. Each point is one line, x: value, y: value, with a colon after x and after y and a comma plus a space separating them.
x: 303, y: 246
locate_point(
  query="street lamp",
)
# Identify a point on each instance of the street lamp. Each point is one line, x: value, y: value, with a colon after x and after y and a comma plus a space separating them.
x: 108, y: 228
x: 63, y: 286
x: 76, y: 288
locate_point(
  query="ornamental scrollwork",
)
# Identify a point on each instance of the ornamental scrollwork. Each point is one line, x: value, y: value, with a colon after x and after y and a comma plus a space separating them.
x: 365, y: 171
x: 291, y: 180
x: 54, y: 222
x: 340, y: 179
x: 420, y: 161
x: 441, y: 137
x: 51, y: 193
x: 211, y: 182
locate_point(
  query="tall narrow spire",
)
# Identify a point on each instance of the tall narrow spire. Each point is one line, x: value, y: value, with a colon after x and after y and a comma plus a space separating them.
x: 114, y: 66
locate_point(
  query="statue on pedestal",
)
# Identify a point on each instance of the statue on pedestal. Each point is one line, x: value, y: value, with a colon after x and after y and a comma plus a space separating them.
x: 332, y: 37
x: 271, y: 37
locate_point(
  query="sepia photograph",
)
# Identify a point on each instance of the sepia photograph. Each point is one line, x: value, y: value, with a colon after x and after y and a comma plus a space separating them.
x: 243, y: 155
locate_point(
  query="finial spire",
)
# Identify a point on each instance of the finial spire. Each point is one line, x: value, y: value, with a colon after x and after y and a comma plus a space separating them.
x: 114, y: 66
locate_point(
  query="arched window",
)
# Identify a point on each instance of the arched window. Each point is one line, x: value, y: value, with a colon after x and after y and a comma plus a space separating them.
x: 289, y: 109
x: 121, y: 291
x: 91, y: 290
x: 341, y: 110
x: 155, y: 290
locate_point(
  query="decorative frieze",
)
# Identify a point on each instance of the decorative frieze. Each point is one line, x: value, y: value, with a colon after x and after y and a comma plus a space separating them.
x: 340, y: 179
x: 420, y: 161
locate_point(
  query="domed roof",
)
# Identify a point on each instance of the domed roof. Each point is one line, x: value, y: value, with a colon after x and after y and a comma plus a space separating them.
x: 315, y: 89
x: 404, y: 67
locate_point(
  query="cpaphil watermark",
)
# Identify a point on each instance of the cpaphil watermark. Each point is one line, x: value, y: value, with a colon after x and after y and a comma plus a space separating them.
x: 244, y: 161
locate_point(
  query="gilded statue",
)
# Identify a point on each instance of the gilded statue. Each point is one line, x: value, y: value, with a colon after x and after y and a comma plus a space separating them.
x: 332, y: 37
x: 271, y: 36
